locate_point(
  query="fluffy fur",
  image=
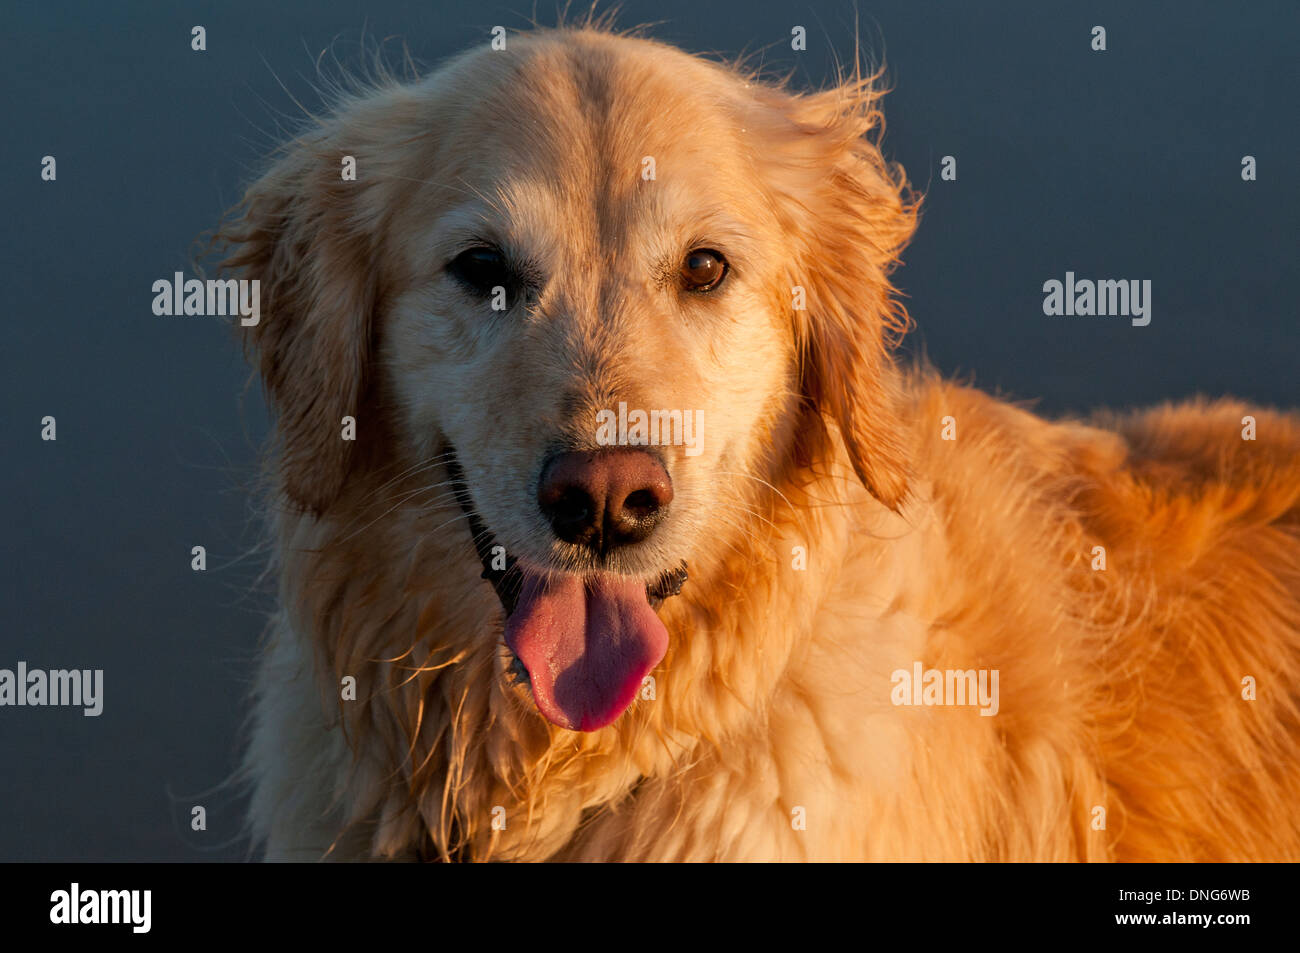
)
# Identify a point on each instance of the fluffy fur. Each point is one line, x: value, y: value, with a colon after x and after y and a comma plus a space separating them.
x: 1120, y: 688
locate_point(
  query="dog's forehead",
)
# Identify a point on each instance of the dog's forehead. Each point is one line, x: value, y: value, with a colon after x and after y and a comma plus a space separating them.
x: 596, y: 111
x: 607, y: 135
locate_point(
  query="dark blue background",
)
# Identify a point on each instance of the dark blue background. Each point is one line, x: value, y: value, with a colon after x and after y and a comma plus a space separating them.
x: 1123, y: 164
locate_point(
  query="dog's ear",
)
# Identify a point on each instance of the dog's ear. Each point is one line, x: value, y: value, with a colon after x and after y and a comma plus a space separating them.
x: 849, y: 214
x: 304, y: 233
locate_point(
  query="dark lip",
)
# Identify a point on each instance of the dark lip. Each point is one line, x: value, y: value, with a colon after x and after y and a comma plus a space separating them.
x: 505, y: 582
x: 508, y: 582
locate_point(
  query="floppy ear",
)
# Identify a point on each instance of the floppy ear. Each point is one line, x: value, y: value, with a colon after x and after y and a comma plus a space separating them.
x: 302, y: 232
x: 849, y: 215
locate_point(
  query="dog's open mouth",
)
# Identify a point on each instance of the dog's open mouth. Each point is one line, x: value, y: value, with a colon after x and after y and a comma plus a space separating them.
x: 584, y: 642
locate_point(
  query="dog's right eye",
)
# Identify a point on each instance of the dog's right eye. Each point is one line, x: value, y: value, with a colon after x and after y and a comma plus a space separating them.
x: 481, y: 269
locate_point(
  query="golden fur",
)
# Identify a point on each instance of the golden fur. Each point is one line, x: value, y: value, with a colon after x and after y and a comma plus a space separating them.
x: 1121, y: 688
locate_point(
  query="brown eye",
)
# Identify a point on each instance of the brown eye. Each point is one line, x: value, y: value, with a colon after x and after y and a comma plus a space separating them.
x: 703, y: 269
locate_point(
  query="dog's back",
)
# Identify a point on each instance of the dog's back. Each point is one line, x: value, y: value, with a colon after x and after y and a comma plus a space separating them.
x: 1199, y: 725
x: 1138, y: 580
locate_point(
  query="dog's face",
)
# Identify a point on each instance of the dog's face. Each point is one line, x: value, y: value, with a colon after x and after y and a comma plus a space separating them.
x: 614, y: 290
x: 636, y: 355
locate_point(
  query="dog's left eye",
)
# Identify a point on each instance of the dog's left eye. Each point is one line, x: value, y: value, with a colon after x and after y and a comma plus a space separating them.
x: 481, y: 269
x: 703, y: 269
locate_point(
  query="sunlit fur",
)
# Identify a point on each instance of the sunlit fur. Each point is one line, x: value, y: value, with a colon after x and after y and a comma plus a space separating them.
x: 1120, y: 689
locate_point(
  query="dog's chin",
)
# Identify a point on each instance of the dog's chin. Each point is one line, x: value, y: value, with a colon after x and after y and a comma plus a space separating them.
x: 582, y: 641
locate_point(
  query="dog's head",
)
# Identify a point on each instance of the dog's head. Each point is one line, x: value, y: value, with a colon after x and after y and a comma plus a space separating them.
x: 614, y: 292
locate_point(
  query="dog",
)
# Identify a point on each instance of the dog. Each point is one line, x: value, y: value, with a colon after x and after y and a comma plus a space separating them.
x: 609, y: 525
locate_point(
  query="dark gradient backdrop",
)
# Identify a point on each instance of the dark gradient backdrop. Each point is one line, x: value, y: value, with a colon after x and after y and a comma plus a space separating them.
x: 1122, y: 164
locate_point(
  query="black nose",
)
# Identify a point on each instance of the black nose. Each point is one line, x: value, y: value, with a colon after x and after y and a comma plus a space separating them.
x: 605, y: 499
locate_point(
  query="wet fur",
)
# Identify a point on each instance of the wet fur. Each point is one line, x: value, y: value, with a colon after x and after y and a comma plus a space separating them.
x: 1120, y: 689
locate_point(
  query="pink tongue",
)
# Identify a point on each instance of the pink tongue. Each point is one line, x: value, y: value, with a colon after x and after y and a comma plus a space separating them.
x: 586, y: 645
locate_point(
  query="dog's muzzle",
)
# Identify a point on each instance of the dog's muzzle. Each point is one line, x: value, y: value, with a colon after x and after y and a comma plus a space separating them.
x: 506, y: 582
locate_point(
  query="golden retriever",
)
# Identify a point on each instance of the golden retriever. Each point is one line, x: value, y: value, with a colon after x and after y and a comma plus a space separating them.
x: 821, y: 607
